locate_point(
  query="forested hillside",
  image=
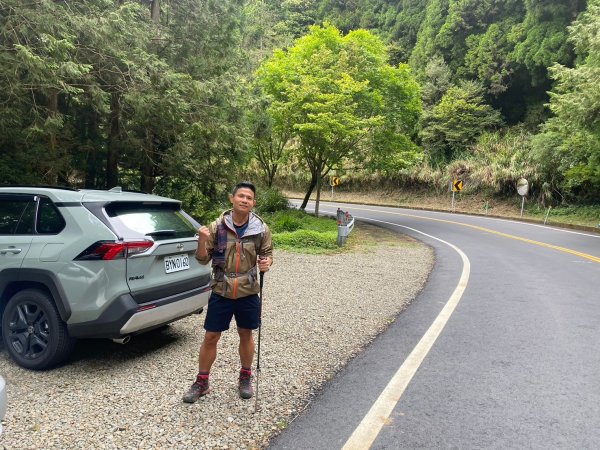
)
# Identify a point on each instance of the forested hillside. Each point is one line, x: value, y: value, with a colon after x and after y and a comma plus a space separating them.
x: 181, y: 97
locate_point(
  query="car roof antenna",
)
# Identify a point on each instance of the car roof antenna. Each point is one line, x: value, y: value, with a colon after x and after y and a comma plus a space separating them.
x: 116, y: 189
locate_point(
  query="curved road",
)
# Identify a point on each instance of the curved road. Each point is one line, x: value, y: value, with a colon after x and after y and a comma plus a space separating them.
x: 501, y: 349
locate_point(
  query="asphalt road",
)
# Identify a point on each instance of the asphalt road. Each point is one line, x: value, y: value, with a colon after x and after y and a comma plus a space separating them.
x: 501, y: 350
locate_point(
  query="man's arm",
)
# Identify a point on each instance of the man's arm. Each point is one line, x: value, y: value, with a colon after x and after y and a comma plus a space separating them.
x: 265, y: 254
x: 205, y: 245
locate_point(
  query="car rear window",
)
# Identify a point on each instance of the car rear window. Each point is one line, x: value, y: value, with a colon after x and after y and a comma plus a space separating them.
x: 49, y: 220
x: 156, y: 220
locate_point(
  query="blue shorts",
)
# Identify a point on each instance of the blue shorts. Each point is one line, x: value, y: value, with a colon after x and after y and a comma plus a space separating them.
x: 246, y: 311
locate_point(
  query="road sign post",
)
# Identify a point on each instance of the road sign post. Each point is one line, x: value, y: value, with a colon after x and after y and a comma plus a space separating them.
x: 334, y: 181
x: 522, y: 189
x: 457, y: 186
x: 547, y: 213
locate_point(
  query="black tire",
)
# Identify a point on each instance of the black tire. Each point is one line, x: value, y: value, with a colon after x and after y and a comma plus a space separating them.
x: 33, y: 332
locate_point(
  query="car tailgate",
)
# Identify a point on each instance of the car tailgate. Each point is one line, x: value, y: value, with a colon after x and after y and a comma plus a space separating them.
x: 167, y: 269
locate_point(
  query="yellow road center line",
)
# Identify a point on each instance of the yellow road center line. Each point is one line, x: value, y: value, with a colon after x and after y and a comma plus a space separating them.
x: 498, y: 233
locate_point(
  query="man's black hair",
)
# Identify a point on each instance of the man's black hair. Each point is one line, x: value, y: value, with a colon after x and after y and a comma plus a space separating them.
x: 244, y: 184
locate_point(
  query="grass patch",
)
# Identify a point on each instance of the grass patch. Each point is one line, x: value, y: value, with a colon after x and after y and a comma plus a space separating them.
x: 299, y: 232
x: 575, y: 215
x: 306, y: 241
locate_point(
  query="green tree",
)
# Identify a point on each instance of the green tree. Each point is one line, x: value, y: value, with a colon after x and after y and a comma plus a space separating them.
x: 103, y: 92
x: 488, y: 58
x: 425, y: 47
x: 568, y: 146
x: 270, y: 137
x: 541, y: 39
x: 40, y: 73
x: 193, y: 114
x: 401, y: 25
x: 451, y: 126
x: 436, y: 81
x: 338, y: 96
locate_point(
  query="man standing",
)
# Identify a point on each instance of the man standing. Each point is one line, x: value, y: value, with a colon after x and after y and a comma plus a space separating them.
x: 239, y: 244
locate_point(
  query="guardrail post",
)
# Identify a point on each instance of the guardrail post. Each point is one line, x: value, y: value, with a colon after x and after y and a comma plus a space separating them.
x: 345, y: 223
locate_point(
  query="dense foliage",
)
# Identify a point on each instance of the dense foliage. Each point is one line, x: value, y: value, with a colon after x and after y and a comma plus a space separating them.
x: 568, y: 148
x: 100, y: 93
x: 183, y: 97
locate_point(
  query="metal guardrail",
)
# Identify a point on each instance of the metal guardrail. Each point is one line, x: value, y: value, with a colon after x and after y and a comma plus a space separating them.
x: 345, y: 223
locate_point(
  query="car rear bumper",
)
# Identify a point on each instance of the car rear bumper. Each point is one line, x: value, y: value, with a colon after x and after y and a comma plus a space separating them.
x: 124, y: 316
x: 151, y: 318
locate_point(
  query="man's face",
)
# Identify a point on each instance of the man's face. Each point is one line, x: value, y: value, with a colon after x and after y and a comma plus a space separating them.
x: 243, y: 200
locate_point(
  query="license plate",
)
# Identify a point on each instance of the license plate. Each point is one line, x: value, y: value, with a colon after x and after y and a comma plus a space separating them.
x: 176, y: 263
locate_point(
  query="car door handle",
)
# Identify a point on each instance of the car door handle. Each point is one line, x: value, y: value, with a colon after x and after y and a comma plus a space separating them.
x: 13, y: 250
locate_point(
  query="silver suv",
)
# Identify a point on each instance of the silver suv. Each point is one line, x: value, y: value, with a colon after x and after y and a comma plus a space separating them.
x: 92, y: 264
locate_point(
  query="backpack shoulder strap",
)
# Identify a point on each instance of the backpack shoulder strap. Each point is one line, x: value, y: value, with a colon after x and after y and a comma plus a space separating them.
x: 258, y: 239
x: 218, y: 256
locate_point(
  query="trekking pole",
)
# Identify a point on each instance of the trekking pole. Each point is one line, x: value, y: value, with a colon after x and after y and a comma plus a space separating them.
x: 260, y: 301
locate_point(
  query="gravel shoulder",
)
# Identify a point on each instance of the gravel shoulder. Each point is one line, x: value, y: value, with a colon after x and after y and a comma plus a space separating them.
x: 318, y: 313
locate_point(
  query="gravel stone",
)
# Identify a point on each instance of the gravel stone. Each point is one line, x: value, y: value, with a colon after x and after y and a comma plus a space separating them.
x: 318, y: 313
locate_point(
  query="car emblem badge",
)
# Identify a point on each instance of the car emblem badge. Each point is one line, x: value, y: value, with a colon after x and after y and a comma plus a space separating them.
x: 179, y: 246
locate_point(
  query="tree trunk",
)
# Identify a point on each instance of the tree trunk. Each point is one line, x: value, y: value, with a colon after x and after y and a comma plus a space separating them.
x: 91, y: 138
x: 313, y: 183
x: 112, y: 156
x: 147, y: 181
x: 155, y: 11
x: 147, y: 169
x: 52, y: 176
x: 318, y: 194
x: 271, y: 175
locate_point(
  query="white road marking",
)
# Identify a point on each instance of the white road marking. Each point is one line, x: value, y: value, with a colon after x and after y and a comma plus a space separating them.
x: 366, y: 432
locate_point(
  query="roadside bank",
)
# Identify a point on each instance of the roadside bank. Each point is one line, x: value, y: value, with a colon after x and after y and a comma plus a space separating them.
x: 463, y: 204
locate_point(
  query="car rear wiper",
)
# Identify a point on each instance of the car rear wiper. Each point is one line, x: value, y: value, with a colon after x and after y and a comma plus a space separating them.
x: 161, y: 233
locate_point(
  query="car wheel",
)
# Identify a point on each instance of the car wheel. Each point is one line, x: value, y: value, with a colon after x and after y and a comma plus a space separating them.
x: 34, y: 334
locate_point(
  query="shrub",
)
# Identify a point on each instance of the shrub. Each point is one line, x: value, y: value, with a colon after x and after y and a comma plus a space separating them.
x: 271, y: 200
x: 286, y: 223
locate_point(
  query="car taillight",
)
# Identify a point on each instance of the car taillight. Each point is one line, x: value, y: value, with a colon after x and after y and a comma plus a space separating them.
x: 109, y: 250
x: 146, y: 308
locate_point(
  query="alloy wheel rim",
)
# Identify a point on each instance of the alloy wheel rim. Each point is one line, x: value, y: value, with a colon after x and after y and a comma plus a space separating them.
x: 29, y: 330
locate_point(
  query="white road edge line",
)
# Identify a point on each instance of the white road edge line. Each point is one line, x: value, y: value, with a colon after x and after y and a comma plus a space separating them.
x: 365, y: 434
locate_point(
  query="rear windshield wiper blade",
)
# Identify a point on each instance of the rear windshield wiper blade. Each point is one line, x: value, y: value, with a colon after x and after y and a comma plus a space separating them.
x: 161, y: 233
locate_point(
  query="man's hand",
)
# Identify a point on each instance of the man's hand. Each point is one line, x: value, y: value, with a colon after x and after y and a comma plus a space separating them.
x: 203, y: 234
x: 264, y: 262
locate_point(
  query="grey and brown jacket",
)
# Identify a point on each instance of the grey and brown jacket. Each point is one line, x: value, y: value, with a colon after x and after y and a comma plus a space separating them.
x: 235, y: 273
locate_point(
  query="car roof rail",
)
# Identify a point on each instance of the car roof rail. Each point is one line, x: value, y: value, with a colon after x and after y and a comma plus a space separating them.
x: 43, y: 186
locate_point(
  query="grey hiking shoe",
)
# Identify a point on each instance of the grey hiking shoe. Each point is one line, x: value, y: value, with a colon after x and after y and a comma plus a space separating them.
x: 196, y: 390
x: 246, y: 384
